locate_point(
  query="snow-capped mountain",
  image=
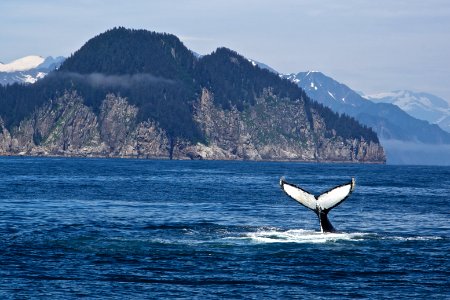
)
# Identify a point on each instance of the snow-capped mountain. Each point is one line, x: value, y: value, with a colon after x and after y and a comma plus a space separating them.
x: 327, y: 91
x: 22, y: 64
x: 28, y: 69
x: 422, y: 106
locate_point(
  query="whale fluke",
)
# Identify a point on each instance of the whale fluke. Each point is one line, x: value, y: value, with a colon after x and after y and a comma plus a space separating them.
x: 322, y: 204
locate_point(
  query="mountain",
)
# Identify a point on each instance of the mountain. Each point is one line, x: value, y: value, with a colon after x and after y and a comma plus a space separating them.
x: 136, y: 93
x: 422, y: 106
x: 263, y: 66
x: 28, y: 69
x: 328, y: 91
x: 399, y: 132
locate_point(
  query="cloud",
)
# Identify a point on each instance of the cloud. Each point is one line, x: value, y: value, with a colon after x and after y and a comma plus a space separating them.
x: 122, y: 81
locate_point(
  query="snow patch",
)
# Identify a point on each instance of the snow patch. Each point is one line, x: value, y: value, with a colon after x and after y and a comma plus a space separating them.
x: 329, y: 93
x: 382, y: 95
x: 22, y: 64
x: 29, y: 79
x: 253, y: 62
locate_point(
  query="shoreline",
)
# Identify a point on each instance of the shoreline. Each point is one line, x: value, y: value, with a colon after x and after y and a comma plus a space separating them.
x: 190, y: 159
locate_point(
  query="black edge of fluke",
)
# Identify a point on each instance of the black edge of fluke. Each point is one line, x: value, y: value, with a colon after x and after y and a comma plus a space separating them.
x: 321, y: 204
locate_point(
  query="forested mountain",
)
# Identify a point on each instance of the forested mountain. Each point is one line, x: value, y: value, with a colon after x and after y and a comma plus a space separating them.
x: 154, y: 72
x: 161, y: 86
x: 237, y: 82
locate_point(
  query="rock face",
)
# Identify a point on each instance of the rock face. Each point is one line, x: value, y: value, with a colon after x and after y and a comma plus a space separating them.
x: 117, y: 119
x: 273, y: 129
x: 64, y: 126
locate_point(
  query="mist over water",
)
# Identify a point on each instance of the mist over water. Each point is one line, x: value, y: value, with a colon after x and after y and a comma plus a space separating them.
x: 104, y: 228
x: 409, y: 153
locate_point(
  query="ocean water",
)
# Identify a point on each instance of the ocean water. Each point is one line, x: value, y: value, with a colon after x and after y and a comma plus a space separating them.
x: 146, y: 229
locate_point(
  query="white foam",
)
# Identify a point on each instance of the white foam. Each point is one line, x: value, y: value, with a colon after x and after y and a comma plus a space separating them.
x: 415, y: 238
x: 299, y: 236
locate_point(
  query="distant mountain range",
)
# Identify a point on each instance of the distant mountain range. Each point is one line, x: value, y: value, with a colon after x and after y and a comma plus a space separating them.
x: 422, y: 106
x: 28, y: 69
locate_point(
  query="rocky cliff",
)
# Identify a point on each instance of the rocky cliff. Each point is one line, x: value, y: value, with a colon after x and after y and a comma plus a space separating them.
x: 272, y: 129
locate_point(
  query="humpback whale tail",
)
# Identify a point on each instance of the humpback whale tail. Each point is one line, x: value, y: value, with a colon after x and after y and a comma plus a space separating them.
x: 322, y: 204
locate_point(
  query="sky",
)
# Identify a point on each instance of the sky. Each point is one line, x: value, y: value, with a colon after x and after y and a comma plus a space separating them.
x: 371, y: 46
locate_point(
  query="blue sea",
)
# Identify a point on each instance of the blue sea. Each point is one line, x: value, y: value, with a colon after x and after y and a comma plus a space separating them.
x: 159, y: 229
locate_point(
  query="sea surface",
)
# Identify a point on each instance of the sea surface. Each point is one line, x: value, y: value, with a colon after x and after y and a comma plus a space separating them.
x: 154, y: 229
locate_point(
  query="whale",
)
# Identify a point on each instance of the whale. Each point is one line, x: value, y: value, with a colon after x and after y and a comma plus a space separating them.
x: 321, y: 204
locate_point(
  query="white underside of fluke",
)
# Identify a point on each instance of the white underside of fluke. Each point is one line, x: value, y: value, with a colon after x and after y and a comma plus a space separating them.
x: 333, y: 197
x: 300, y: 195
x: 325, y: 201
